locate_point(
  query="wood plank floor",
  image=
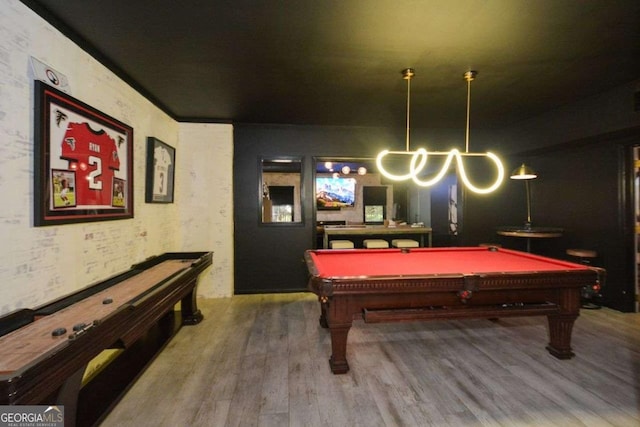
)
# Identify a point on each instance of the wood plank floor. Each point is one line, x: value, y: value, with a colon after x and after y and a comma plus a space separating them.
x: 262, y: 360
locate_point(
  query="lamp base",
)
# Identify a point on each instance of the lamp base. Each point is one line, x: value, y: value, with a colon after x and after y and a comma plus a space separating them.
x: 527, y: 225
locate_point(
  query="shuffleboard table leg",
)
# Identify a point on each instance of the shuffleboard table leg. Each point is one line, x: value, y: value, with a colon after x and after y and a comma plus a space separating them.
x: 338, y: 360
x: 67, y: 395
x: 191, y: 315
x: 560, y: 328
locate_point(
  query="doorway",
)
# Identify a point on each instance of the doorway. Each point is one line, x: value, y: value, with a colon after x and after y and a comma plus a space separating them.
x: 636, y: 204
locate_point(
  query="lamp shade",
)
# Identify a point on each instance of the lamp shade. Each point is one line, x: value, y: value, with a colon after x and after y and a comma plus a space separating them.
x: 524, y: 172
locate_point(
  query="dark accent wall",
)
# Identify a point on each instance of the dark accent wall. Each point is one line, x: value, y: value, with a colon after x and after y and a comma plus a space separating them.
x: 269, y: 258
x: 584, y: 187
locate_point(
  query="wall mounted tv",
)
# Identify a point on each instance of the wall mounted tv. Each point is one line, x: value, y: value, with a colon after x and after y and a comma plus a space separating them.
x: 335, y: 193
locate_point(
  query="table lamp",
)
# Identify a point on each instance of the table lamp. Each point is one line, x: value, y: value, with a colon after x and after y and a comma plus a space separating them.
x: 526, y: 174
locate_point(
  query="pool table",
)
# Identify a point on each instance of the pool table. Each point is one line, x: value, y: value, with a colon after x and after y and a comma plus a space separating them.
x: 385, y: 285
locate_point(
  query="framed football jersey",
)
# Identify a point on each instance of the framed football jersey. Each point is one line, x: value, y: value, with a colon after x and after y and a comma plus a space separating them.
x: 161, y: 160
x: 83, y: 161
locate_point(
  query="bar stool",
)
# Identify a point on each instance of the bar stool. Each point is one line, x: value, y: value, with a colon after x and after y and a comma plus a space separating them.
x: 586, y: 257
x: 341, y: 244
x: 375, y: 244
x: 404, y: 243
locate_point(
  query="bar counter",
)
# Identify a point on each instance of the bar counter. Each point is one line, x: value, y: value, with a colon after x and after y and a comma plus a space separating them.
x: 376, y: 231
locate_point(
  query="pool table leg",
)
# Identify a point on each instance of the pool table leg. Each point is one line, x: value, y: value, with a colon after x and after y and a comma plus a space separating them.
x: 337, y: 317
x: 338, y: 360
x: 560, y: 328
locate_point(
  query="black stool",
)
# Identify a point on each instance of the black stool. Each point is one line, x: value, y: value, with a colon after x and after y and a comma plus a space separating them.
x: 586, y: 257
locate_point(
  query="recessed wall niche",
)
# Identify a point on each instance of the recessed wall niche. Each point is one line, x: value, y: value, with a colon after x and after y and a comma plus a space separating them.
x: 280, y: 184
x: 354, y: 214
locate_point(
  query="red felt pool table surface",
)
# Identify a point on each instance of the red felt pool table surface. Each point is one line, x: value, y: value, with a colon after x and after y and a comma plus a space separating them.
x: 429, y: 261
x: 400, y: 285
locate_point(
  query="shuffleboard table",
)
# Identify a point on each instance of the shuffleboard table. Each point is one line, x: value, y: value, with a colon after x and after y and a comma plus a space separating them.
x: 44, y: 351
x: 383, y: 285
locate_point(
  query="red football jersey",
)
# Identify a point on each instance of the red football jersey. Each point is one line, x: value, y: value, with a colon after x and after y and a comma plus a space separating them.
x: 94, y: 157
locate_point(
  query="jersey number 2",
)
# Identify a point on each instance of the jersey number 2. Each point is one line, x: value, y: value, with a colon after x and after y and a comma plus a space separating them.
x: 94, y: 183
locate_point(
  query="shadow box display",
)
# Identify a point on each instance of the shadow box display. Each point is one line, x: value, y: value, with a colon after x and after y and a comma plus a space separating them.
x: 161, y: 160
x: 83, y: 161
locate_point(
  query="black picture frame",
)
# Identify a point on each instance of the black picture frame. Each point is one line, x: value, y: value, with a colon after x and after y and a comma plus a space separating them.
x: 83, y: 161
x: 161, y: 160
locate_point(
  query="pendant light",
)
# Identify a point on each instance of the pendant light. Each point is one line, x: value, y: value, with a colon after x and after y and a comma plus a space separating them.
x: 418, y: 158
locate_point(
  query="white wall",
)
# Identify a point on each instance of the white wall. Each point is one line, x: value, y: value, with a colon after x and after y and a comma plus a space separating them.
x: 39, y: 264
x: 204, y: 194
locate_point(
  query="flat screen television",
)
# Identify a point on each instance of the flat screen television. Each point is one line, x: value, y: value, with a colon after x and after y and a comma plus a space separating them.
x: 335, y: 193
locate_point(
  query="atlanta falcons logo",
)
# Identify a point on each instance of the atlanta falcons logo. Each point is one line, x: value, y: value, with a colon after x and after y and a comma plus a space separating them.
x: 71, y: 142
x: 60, y: 117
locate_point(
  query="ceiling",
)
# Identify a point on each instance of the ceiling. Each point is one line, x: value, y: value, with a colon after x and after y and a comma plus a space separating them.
x: 339, y: 62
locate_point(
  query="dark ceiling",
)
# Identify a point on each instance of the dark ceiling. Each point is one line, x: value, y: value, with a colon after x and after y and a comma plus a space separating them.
x: 338, y: 62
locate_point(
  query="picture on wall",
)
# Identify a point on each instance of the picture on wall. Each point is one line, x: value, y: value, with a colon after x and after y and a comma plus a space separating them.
x: 161, y: 160
x: 335, y: 193
x: 83, y: 167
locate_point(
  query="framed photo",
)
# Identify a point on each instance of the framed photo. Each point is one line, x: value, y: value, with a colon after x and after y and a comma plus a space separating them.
x: 161, y: 160
x: 83, y: 161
